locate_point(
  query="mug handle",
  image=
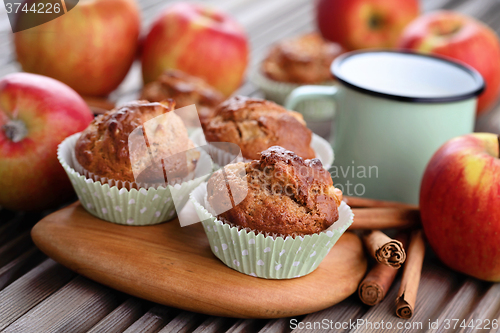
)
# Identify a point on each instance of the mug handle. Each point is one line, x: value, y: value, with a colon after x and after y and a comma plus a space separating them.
x: 304, y: 93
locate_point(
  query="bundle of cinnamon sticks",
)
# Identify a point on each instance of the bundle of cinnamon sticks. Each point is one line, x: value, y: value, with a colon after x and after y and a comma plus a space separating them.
x: 389, y: 254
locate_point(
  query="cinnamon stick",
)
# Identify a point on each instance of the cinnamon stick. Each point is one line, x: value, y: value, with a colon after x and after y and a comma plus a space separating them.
x: 407, y: 295
x: 384, y: 249
x: 385, y: 218
x: 357, y: 202
x: 377, y: 282
x: 379, y: 279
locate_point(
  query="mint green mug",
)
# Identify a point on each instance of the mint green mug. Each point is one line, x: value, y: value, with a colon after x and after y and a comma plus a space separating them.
x: 393, y: 111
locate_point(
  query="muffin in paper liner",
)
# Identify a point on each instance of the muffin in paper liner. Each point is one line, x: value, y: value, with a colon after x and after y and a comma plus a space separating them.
x: 268, y: 257
x: 321, y: 147
x: 143, y: 206
x: 276, y: 91
x: 119, y: 183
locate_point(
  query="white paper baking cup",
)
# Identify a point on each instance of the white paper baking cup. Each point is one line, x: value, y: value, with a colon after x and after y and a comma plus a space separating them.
x: 266, y: 256
x: 276, y: 91
x: 322, y: 149
x: 130, y: 207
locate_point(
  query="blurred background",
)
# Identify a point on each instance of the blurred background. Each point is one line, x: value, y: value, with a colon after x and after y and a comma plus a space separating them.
x: 265, y: 22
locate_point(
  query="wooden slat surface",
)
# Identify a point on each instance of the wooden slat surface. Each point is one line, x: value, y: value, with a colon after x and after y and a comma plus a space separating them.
x: 350, y: 309
x: 214, y: 324
x: 152, y: 321
x: 120, y: 318
x: 20, y: 265
x: 276, y: 326
x: 460, y: 305
x: 182, y: 323
x: 485, y: 309
x: 39, y: 295
x: 85, y: 303
x: 29, y: 290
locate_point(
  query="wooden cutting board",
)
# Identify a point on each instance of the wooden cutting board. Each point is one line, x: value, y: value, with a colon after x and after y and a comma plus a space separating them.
x: 174, y: 266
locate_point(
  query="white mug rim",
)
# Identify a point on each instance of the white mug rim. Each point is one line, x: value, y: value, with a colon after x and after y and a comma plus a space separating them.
x: 480, y: 83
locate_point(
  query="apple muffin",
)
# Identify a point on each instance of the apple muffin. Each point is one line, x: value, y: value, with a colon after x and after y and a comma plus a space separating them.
x: 304, y: 59
x: 280, y: 194
x: 185, y: 90
x: 256, y: 124
x: 138, y: 142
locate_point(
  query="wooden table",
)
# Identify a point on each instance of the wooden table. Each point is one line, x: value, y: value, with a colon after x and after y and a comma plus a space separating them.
x: 39, y: 295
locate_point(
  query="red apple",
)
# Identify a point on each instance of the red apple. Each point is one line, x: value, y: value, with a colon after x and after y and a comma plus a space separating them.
x: 36, y: 114
x: 362, y: 24
x: 460, y: 205
x: 90, y: 48
x: 200, y: 41
x: 462, y: 38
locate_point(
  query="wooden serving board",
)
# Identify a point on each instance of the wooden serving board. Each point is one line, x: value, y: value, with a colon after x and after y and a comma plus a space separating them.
x: 174, y: 266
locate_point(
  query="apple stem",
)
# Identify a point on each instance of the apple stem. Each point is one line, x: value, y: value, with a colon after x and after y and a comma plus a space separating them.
x: 375, y: 22
x: 15, y: 130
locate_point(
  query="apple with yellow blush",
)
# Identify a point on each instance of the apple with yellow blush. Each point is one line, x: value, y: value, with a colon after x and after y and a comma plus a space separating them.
x: 36, y: 114
x: 459, y: 37
x: 362, y: 24
x: 198, y: 40
x: 90, y: 48
x: 459, y: 205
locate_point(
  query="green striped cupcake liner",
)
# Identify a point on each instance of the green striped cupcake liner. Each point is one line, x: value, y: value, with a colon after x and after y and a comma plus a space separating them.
x: 268, y: 257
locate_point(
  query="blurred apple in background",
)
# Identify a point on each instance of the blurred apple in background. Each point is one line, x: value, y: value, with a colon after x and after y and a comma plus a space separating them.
x: 463, y: 38
x: 200, y: 41
x: 90, y: 48
x: 460, y: 205
x: 36, y: 114
x: 361, y: 24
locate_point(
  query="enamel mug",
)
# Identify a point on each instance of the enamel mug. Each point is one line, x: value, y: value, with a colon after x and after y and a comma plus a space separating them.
x: 393, y: 111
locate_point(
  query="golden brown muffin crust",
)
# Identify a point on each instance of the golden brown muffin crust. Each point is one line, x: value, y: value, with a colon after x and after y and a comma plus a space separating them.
x: 186, y: 90
x: 256, y: 124
x: 103, y: 148
x: 303, y: 59
x: 280, y: 194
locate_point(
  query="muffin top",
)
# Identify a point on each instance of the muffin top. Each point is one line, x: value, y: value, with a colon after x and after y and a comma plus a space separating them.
x: 303, y: 59
x: 186, y: 90
x: 256, y: 124
x: 280, y: 193
x: 152, y: 133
